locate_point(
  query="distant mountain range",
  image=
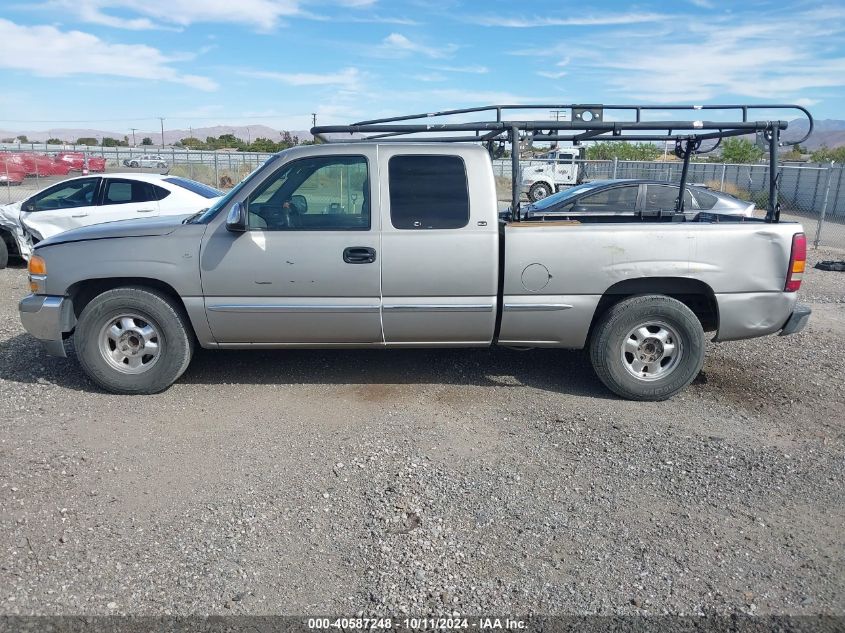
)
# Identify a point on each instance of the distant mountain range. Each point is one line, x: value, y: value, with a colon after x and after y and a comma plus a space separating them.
x: 243, y: 132
x: 829, y: 132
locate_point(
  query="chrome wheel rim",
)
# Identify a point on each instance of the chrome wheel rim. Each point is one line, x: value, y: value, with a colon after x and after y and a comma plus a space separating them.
x: 130, y: 343
x: 541, y: 192
x: 651, y: 351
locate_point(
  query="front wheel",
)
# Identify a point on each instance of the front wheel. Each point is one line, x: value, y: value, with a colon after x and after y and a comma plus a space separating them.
x: 133, y: 163
x: 4, y: 253
x: 539, y: 190
x: 648, y: 347
x: 133, y: 341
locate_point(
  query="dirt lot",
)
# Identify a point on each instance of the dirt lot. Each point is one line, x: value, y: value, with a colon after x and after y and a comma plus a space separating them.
x: 426, y: 482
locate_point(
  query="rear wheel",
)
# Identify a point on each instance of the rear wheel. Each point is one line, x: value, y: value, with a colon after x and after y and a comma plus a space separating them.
x: 648, y: 347
x: 4, y: 253
x: 133, y: 163
x: 133, y: 341
x: 539, y: 190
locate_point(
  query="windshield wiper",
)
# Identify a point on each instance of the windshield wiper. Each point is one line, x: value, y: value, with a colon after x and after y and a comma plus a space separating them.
x: 190, y: 219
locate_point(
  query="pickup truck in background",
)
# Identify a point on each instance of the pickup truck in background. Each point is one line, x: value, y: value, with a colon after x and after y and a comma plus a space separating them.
x: 398, y: 245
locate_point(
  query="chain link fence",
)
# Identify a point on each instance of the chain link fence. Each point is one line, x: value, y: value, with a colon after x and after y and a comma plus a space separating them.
x: 811, y: 194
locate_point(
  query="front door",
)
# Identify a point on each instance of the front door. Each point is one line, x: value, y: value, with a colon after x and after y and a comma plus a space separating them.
x: 62, y: 207
x: 125, y: 199
x: 307, y: 271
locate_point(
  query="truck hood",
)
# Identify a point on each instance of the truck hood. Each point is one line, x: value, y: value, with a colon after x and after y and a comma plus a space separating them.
x: 142, y: 227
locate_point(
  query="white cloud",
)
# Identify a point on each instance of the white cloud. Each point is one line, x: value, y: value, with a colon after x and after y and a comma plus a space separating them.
x: 595, y: 20
x: 262, y: 14
x: 430, y: 77
x: 47, y: 51
x: 348, y: 78
x: 473, y: 69
x: 552, y: 75
x: 703, y: 4
x: 398, y: 44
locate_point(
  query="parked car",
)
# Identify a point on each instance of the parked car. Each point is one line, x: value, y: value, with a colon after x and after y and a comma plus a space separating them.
x: 87, y: 200
x: 397, y: 245
x: 622, y: 197
x: 76, y: 160
x: 146, y: 160
x: 41, y: 164
x: 12, y: 172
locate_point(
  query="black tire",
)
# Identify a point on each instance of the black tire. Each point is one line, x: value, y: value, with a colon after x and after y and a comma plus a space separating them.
x: 539, y: 190
x: 167, y: 319
x: 4, y: 252
x: 619, y: 329
x: 162, y: 165
x: 133, y: 163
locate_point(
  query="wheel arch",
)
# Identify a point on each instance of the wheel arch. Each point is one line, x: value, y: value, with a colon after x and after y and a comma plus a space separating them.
x: 693, y: 293
x: 82, y: 292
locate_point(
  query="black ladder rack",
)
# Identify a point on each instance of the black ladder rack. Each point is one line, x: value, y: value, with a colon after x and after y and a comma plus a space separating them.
x: 588, y: 122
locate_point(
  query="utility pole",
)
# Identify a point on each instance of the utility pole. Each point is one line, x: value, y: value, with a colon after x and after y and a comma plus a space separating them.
x: 133, y: 136
x: 161, y: 118
x: 557, y: 115
x: 313, y: 119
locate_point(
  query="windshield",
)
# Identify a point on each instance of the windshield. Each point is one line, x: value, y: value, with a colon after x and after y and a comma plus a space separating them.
x: 214, y: 209
x: 196, y: 187
x: 562, y: 196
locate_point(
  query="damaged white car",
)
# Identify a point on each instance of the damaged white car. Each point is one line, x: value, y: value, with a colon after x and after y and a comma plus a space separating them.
x: 78, y: 202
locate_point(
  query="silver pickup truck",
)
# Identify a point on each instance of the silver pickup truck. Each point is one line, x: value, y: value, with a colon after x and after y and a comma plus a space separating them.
x: 397, y: 245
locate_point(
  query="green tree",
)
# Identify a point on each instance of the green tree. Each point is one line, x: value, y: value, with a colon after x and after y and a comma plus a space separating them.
x: 55, y: 141
x: 825, y: 155
x: 608, y: 150
x: 146, y: 141
x: 740, y: 150
x: 22, y: 138
x: 108, y: 141
x: 86, y: 140
x: 192, y: 142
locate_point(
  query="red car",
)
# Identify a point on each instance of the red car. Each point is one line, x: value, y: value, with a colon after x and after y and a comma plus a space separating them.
x: 11, y: 171
x: 76, y: 160
x: 41, y: 165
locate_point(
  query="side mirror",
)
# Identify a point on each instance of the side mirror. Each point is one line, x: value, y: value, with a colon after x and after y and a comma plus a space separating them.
x: 300, y: 202
x: 29, y: 207
x: 236, y: 220
x: 580, y: 208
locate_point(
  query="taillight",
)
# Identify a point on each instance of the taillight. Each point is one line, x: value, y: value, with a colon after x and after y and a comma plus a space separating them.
x: 797, y: 262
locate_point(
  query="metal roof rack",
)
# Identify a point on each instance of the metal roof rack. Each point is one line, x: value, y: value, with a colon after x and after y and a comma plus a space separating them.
x: 587, y: 122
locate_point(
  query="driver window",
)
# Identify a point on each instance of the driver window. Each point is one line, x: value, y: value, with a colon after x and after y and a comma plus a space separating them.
x: 329, y: 193
x: 67, y: 195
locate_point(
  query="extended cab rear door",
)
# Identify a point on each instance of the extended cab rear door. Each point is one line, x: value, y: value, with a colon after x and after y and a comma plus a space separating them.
x: 439, y: 245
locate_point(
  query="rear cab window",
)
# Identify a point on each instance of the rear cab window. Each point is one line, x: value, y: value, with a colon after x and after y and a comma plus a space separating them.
x: 195, y: 187
x: 428, y: 192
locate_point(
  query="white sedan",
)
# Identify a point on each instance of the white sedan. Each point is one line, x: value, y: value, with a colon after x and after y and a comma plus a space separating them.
x: 89, y: 200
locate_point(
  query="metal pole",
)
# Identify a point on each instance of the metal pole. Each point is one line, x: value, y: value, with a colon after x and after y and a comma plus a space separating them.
x: 773, y: 213
x: 722, y: 181
x: 824, y: 207
x: 679, y: 203
x: 161, y: 118
x: 615, y: 165
x: 515, y: 173
x: 216, y: 171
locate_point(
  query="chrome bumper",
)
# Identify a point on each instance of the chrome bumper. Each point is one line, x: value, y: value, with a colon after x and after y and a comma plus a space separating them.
x: 48, y: 318
x: 797, y: 321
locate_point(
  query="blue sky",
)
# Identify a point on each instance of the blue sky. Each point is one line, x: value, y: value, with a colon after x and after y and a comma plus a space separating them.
x: 115, y: 64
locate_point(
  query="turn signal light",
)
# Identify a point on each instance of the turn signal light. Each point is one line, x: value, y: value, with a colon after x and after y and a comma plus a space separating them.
x: 797, y: 263
x: 37, y: 265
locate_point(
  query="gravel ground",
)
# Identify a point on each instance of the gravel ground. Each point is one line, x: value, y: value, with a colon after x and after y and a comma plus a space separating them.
x: 427, y: 482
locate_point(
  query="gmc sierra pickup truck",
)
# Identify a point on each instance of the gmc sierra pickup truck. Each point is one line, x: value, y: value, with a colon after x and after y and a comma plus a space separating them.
x: 399, y: 245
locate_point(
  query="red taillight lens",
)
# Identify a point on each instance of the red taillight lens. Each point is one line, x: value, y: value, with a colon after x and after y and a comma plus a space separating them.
x: 797, y: 262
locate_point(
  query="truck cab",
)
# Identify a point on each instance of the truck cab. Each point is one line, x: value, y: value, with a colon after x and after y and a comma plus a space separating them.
x: 551, y: 172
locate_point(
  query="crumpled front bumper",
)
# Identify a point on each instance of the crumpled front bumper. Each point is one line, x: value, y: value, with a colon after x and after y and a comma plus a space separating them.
x: 48, y: 318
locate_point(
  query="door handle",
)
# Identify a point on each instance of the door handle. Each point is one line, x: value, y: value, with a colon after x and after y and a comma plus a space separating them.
x: 80, y: 215
x: 145, y: 210
x: 359, y: 255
